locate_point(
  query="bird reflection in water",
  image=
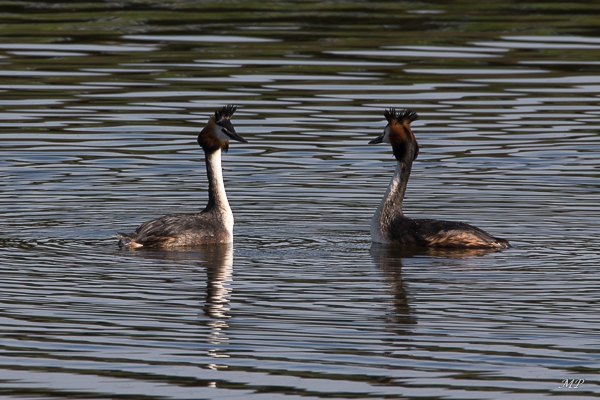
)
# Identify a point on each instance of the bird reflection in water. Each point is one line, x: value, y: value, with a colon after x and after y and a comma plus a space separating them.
x: 389, y: 260
x: 217, y: 260
x: 219, y: 266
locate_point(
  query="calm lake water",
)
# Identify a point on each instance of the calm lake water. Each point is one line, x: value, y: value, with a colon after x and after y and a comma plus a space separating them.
x: 100, y: 105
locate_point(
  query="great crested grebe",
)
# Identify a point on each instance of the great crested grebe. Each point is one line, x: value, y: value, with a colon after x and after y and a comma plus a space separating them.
x: 389, y: 225
x: 215, y: 223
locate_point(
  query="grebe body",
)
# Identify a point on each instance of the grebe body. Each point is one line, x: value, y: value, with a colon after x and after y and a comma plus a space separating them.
x: 391, y: 226
x: 215, y: 223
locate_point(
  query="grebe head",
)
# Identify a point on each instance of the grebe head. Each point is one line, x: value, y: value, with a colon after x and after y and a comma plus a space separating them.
x: 398, y: 133
x: 219, y: 130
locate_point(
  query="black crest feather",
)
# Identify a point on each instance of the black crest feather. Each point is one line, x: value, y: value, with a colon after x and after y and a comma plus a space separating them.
x: 224, y: 113
x: 401, y: 116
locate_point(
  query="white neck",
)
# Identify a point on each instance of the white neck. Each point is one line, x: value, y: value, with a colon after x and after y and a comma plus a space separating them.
x: 217, y: 198
x: 215, y: 179
x: 389, y: 207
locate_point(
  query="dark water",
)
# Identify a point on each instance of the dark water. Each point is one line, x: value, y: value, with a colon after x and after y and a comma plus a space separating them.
x: 99, y: 107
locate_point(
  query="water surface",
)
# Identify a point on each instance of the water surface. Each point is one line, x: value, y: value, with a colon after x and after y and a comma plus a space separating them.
x: 99, y: 108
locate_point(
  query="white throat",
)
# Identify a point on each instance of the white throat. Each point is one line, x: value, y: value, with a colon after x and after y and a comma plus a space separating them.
x: 388, y: 208
x: 217, y: 189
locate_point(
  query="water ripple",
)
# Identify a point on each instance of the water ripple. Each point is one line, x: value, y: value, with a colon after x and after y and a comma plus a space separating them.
x: 302, y: 305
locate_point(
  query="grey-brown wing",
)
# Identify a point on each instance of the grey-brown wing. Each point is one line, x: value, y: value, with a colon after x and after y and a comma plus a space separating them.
x: 440, y: 233
x: 171, y: 227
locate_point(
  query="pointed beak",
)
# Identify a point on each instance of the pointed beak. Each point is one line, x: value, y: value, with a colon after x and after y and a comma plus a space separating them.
x: 378, y: 139
x: 233, y: 135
